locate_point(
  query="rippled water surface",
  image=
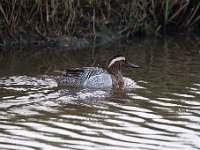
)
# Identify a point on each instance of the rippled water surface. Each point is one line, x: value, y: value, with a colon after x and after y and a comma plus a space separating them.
x: 160, y: 110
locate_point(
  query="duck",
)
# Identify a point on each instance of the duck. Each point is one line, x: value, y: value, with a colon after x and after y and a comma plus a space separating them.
x: 95, y: 77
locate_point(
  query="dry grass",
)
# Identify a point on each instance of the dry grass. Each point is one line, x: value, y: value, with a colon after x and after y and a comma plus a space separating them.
x: 43, y: 19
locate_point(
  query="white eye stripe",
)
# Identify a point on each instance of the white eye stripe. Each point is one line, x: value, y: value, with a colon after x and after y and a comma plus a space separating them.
x: 115, y: 60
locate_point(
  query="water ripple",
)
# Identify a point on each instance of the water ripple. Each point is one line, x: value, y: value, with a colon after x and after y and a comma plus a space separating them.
x: 36, y: 114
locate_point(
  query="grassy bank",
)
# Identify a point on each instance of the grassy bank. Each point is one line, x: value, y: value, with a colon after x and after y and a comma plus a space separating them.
x: 36, y: 20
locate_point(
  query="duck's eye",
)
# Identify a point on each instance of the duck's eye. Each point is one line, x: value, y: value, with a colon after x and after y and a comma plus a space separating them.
x: 116, y: 66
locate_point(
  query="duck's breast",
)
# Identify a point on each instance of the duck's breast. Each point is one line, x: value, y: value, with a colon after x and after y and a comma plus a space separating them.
x: 102, y: 80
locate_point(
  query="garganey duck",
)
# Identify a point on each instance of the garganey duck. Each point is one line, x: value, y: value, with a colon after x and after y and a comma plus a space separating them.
x: 94, y: 77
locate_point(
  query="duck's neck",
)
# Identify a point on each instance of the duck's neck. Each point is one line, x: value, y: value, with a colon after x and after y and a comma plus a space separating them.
x: 117, y: 76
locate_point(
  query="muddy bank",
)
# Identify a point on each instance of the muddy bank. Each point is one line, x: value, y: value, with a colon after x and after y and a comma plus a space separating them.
x: 82, y: 41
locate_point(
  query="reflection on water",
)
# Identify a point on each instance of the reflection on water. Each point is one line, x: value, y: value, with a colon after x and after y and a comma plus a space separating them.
x: 160, y: 110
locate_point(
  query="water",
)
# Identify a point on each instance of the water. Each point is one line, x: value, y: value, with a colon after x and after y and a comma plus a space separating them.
x: 161, y: 110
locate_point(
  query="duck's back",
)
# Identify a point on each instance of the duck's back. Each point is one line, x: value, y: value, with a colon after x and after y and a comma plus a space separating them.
x: 86, y: 77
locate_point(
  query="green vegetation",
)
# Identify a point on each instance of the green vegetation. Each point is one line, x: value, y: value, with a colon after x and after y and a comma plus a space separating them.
x: 37, y: 20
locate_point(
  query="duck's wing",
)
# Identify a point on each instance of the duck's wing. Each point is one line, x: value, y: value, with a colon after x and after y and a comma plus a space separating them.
x: 83, y: 72
x: 69, y: 72
x: 78, y: 72
x: 76, y: 77
x: 69, y: 77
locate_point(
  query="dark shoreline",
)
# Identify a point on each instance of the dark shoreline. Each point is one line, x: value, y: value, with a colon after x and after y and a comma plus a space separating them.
x: 78, y: 22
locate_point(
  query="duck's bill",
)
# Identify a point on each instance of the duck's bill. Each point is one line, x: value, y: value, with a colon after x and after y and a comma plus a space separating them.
x: 132, y: 65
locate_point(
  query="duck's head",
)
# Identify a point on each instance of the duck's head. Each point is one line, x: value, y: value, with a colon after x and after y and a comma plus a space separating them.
x: 118, y: 62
